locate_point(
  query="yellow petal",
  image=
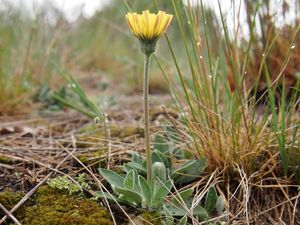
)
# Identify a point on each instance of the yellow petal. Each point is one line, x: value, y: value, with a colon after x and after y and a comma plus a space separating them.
x: 162, y: 24
x: 148, y: 25
x: 152, y: 24
x: 129, y: 18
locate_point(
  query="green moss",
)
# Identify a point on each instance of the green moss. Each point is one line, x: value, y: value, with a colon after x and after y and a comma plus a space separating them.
x: 9, y: 199
x: 50, y: 207
x: 83, y: 158
x: 123, y: 132
x: 53, y: 208
x: 6, y: 160
x: 118, y: 169
x: 115, y: 131
x: 154, y: 218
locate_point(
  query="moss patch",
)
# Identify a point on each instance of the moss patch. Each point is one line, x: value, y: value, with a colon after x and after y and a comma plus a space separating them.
x: 153, y: 217
x: 9, y: 199
x: 50, y: 207
x: 146, y: 218
x: 6, y: 160
x: 115, y: 131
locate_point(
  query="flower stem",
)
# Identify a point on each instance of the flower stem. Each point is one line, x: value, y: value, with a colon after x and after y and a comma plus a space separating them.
x: 146, y: 117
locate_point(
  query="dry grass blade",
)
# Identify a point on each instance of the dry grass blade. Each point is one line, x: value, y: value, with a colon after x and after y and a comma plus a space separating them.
x: 10, y: 215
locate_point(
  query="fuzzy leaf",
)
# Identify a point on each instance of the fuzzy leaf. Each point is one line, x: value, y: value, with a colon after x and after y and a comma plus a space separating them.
x: 129, y: 180
x: 112, y: 178
x: 189, y: 171
x: 183, y: 221
x: 165, y: 158
x: 183, y: 195
x: 137, y: 158
x: 129, y: 195
x: 161, y: 144
x: 220, y: 205
x: 168, y: 215
x: 173, y: 134
x: 111, y: 199
x: 161, y: 193
x: 145, y: 190
x: 180, y: 211
x: 127, y: 168
x: 139, y: 167
x: 155, y: 157
x: 211, y: 200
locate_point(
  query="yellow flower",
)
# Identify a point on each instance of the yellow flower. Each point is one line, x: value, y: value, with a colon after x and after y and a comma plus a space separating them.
x: 148, y: 27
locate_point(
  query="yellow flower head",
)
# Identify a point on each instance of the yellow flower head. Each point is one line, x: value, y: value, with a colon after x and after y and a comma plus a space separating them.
x: 148, y: 27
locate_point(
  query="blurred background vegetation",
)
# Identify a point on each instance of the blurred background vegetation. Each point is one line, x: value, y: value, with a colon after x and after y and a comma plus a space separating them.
x: 33, y: 47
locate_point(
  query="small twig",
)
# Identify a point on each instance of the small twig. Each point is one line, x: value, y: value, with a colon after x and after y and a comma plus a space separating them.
x: 10, y: 215
x: 7, y: 166
x: 295, y: 208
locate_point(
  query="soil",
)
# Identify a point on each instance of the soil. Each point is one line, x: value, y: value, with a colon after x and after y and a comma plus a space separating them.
x: 35, y: 144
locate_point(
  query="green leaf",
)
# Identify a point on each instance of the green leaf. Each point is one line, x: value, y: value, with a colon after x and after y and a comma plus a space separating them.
x: 168, y: 215
x: 180, y: 211
x: 137, y: 158
x: 144, y: 187
x: 201, y: 212
x: 183, y: 221
x: 189, y: 171
x: 161, y: 193
x: 175, y: 211
x: 129, y: 195
x: 183, y: 196
x: 155, y: 157
x: 127, y: 168
x: 220, y: 205
x: 165, y: 158
x: 138, y: 167
x: 179, y: 153
x: 129, y: 180
x: 173, y: 134
x: 73, y: 104
x: 211, y: 200
x: 112, y: 178
x: 160, y: 144
x: 87, y: 106
x: 83, y: 97
x: 102, y: 195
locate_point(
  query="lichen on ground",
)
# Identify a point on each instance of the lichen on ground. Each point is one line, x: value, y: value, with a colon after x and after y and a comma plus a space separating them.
x: 51, y: 207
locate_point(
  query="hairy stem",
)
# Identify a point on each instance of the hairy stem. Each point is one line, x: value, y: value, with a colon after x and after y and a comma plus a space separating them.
x: 146, y: 117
